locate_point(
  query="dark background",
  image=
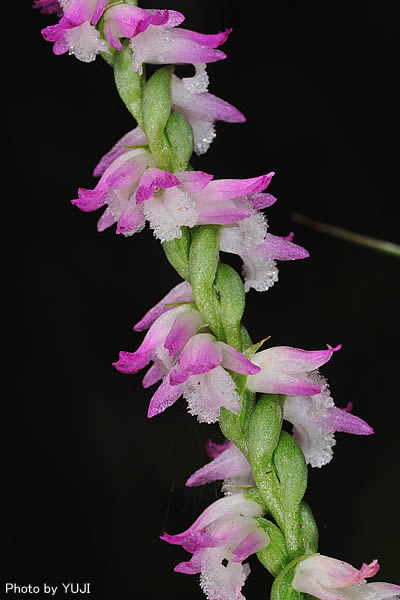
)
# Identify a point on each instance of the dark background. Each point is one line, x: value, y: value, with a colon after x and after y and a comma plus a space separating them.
x: 90, y: 483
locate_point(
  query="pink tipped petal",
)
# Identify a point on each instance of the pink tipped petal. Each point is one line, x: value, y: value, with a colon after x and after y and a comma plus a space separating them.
x: 276, y: 382
x: 165, y: 396
x: 261, y: 200
x: 223, y: 213
x: 90, y: 200
x: 200, y: 355
x: 294, y: 360
x: 136, y: 137
x: 228, y: 189
x: 152, y: 376
x: 203, y: 39
x: 180, y: 293
x: 255, y: 541
x: 228, y: 463
x: 192, y: 567
x: 98, y: 11
x: 185, y: 326
x: 338, y: 419
x: 131, y: 362
x: 235, y: 361
x: 193, y: 181
x: 279, y: 249
x: 153, y: 180
x: 131, y: 220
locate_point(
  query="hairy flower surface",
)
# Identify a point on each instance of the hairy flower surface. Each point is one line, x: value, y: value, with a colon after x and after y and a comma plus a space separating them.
x: 331, y: 579
x: 76, y: 32
x: 224, y: 535
x: 196, y: 370
x: 316, y: 418
x: 135, y: 191
x: 258, y: 249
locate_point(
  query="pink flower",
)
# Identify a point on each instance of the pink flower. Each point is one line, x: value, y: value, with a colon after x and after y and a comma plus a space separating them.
x: 180, y: 293
x: 76, y: 32
x: 191, y: 364
x: 285, y: 370
x: 316, y: 418
x: 135, y: 191
x: 48, y: 6
x: 200, y: 376
x: 167, y: 335
x: 224, y: 535
x: 229, y: 464
x: 116, y: 190
x: 155, y: 39
x: 331, y: 579
x: 258, y: 249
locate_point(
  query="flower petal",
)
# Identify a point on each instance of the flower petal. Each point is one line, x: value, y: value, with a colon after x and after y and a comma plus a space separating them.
x: 180, y: 293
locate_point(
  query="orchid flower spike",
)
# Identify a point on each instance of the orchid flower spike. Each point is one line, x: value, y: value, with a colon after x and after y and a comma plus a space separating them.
x: 229, y: 464
x: 223, y: 536
x: 200, y: 376
x: 258, y: 249
x: 285, y: 370
x: 331, y: 579
x: 76, y: 31
x: 316, y: 418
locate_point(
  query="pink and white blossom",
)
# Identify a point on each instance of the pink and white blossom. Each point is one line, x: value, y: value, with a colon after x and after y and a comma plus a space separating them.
x: 167, y: 44
x: 331, y: 579
x: 316, y: 418
x: 128, y: 21
x: 76, y: 31
x: 200, y: 375
x: 180, y: 293
x: 258, y: 249
x: 117, y: 189
x: 167, y: 335
x: 285, y: 370
x: 224, y: 535
x: 135, y: 191
x: 229, y: 464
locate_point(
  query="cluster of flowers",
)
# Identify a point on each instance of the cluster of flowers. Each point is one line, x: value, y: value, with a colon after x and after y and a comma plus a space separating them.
x: 186, y: 357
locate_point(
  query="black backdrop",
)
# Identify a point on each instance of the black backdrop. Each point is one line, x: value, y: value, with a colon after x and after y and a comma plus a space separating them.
x: 90, y: 483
